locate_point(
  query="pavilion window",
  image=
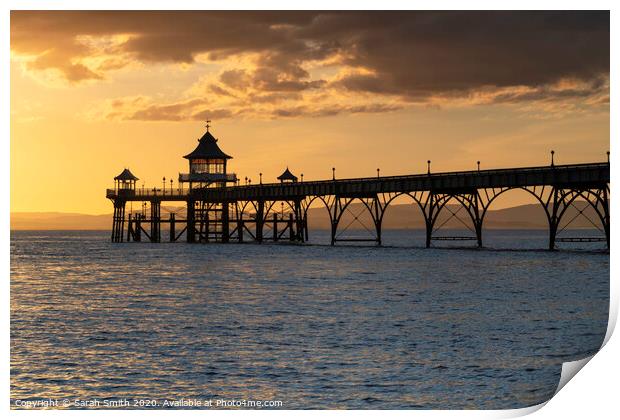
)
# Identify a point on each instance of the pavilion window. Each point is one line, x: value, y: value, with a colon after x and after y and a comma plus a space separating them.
x: 209, y: 166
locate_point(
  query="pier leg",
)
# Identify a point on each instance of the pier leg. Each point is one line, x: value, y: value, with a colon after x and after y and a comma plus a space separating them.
x: 334, y: 219
x: 155, y: 222
x: 240, y: 228
x: 553, y: 221
x: 429, y: 221
x: 291, y: 233
x: 477, y: 220
x: 259, y: 221
x: 114, y: 224
x: 378, y: 229
x: 130, y: 233
x: 138, y: 235
x: 606, y: 215
x: 120, y: 233
x: 299, y: 221
x: 118, y: 221
x: 172, y: 227
x: 225, y: 223
x: 275, y: 227
x: 112, y: 235
x: 429, y: 233
x: 378, y: 220
x: 191, y: 222
x: 305, y: 224
x: 479, y: 234
x: 204, y: 222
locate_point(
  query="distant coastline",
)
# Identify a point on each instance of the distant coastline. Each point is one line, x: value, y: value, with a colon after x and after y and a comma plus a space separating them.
x: 401, y: 216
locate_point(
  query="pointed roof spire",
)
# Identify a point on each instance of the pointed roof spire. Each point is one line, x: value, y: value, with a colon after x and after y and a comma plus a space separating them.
x: 207, y: 148
x: 287, y: 176
x: 126, y: 175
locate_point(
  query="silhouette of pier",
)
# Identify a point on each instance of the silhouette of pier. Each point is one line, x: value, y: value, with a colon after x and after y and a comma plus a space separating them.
x: 219, y: 209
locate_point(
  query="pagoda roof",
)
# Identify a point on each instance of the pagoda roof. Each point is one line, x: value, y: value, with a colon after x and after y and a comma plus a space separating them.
x: 286, y: 175
x: 207, y: 149
x: 126, y: 175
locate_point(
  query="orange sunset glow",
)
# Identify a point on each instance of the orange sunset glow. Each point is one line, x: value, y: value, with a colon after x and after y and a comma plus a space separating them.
x: 95, y: 92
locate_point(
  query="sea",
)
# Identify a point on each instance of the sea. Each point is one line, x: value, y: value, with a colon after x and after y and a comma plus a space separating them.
x: 291, y: 326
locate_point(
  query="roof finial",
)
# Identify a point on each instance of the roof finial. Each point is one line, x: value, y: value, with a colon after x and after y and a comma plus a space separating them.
x: 208, y: 125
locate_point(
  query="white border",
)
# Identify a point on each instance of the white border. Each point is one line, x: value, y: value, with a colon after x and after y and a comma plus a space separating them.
x: 593, y: 394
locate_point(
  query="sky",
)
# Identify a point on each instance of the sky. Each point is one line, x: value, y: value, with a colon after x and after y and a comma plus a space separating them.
x: 95, y: 92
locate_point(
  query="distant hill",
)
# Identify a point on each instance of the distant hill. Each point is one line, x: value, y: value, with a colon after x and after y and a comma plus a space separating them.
x: 60, y: 221
x: 404, y: 216
x: 401, y: 216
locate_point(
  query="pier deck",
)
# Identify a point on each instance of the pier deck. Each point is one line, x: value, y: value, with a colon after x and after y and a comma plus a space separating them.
x: 225, y: 213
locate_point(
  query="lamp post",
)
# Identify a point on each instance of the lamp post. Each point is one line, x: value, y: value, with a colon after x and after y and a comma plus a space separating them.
x: 378, y: 176
x: 478, y: 166
x: 170, y: 185
x: 246, y: 180
x: 302, y: 177
x: 333, y: 174
x: 552, y: 162
x: 282, y: 210
x: 260, y: 179
x: 428, y: 166
x: 164, y: 183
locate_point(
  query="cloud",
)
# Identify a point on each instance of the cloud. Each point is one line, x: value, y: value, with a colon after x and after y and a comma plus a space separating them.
x: 333, y: 110
x: 140, y: 108
x: 375, y: 59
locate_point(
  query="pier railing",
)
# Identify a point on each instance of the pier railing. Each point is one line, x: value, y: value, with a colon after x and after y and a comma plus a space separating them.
x: 145, y: 193
x: 490, y: 178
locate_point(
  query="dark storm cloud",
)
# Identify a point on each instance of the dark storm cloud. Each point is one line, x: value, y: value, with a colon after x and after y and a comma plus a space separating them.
x: 409, y: 54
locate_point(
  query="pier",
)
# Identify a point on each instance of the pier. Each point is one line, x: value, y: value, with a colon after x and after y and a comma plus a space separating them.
x: 219, y: 209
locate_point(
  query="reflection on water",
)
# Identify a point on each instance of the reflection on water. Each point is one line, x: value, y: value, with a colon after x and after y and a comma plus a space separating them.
x: 313, y: 326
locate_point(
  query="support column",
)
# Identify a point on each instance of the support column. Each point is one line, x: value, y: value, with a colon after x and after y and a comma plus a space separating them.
x: 118, y: 221
x: 225, y: 223
x: 305, y: 225
x: 292, y: 235
x: 553, y: 220
x: 122, y: 216
x: 378, y: 220
x: 478, y: 220
x: 205, y: 221
x: 138, y: 235
x: 130, y: 233
x: 114, y: 222
x: 240, y: 230
x: 606, y: 215
x: 334, y: 220
x: 275, y: 227
x: 155, y: 222
x: 260, y: 221
x: 172, y: 227
x: 299, y: 221
x: 191, y: 222
x: 429, y: 219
